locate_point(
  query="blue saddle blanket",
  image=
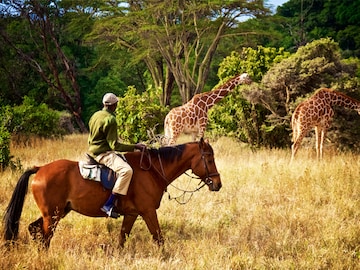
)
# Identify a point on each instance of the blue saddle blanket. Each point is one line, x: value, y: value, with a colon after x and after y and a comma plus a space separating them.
x: 98, y: 173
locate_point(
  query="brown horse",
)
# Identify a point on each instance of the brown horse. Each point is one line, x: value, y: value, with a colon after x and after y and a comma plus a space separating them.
x: 59, y: 188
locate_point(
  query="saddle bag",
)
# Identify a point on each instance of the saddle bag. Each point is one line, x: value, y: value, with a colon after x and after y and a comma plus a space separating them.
x: 92, y: 170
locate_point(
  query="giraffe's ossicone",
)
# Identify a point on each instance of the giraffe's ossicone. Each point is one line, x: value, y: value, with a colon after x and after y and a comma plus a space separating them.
x: 191, y: 118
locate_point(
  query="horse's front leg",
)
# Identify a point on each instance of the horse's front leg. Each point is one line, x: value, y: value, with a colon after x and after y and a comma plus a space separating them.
x: 126, y: 227
x: 151, y: 220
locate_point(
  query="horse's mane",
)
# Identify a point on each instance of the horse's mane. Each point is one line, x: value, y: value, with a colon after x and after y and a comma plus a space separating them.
x: 169, y: 153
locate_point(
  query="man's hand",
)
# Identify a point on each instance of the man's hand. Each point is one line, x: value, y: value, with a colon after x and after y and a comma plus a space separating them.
x: 140, y: 146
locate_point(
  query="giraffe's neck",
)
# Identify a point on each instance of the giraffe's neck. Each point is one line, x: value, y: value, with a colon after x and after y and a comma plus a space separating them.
x: 340, y: 99
x: 212, y: 97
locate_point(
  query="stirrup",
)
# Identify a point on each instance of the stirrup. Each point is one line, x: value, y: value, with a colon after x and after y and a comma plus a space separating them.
x: 110, y: 212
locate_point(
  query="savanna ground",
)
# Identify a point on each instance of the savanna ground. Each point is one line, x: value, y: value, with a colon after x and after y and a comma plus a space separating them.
x: 268, y: 215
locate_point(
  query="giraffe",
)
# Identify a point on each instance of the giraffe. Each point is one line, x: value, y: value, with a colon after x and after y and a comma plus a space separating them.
x: 317, y: 112
x: 192, y: 116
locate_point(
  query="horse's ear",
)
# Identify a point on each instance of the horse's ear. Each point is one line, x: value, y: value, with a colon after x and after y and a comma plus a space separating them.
x: 202, y: 142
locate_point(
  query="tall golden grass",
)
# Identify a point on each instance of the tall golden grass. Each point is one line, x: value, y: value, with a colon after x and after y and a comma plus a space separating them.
x: 270, y: 214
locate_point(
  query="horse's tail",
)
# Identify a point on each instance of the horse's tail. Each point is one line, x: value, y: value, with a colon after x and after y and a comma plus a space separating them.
x: 14, y: 209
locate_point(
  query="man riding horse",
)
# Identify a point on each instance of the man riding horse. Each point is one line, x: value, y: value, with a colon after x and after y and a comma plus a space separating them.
x: 104, y: 147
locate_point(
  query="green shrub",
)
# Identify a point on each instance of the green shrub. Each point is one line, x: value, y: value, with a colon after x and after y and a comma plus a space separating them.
x: 137, y: 115
x: 30, y: 119
x: 5, y: 156
x: 235, y: 116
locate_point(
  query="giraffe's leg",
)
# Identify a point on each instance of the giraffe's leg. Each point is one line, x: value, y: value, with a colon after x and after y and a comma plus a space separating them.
x: 200, y: 133
x: 294, y: 149
x: 171, y: 126
x: 168, y: 137
x: 193, y: 136
x: 317, y: 141
x: 297, y: 142
x: 295, y: 136
x: 320, y: 136
x: 174, y: 136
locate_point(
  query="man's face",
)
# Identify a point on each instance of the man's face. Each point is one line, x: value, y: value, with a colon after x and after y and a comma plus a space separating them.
x: 113, y: 107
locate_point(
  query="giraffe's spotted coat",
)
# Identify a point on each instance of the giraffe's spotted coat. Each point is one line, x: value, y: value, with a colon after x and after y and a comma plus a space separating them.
x: 192, y: 116
x: 317, y: 112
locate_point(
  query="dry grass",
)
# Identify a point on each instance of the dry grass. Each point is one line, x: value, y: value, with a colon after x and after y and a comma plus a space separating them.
x: 268, y: 215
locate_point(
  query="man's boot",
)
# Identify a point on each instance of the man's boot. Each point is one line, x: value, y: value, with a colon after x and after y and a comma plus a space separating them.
x: 108, y: 207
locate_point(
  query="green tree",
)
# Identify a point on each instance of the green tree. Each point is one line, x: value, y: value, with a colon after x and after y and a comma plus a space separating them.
x: 176, y: 39
x: 49, y: 45
x: 256, y: 62
x: 308, y: 20
x: 5, y: 157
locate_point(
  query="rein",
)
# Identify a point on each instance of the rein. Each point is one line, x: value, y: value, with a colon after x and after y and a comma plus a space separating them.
x: 206, y: 181
x: 162, y: 173
x: 177, y: 198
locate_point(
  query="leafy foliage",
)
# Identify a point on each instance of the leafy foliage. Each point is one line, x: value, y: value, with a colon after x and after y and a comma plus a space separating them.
x: 317, y: 64
x: 309, y: 20
x: 177, y: 45
x: 137, y: 114
x: 5, y: 156
x: 314, y: 65
x: 30, y: 119
x: 256, y: 62
x: 235, y: 116
x: 176, y: 39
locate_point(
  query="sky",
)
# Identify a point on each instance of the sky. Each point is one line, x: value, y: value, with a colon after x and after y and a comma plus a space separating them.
x: 276, y: 3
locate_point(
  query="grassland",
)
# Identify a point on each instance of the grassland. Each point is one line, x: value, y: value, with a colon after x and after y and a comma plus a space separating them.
x: 269, y: 215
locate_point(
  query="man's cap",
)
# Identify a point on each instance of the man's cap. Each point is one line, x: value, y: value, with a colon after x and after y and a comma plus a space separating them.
x: 109, y: 99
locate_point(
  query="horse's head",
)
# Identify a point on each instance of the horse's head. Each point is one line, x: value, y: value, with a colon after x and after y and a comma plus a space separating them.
x: 203, y: 165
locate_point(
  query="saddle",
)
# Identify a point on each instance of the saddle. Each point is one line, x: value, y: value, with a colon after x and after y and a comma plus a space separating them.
x: 90, y: 169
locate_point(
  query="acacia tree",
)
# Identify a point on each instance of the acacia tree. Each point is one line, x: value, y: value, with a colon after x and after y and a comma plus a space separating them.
x: 176, y: 39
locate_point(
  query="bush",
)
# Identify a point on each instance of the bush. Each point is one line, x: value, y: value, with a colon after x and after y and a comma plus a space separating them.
x: 235, y: 116
x: 137, y: 115
x: 5, y: 156
x: 30, y: 119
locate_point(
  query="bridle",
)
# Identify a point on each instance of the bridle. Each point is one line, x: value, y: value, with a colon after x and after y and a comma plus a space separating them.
x: 208, y: 178
x: 206, y: 181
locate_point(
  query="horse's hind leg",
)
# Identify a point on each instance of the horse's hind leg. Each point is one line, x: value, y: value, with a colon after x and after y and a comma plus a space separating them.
x: 43, y: 229
x: 49, y: 226
x: 36, y: 230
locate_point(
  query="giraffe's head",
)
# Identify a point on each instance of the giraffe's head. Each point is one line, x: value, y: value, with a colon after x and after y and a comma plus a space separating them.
x: 245, y: 78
